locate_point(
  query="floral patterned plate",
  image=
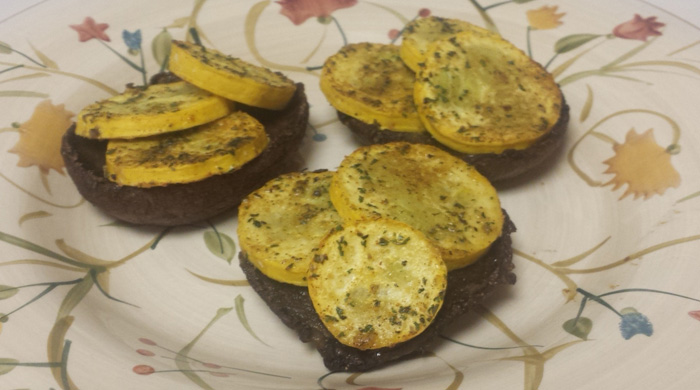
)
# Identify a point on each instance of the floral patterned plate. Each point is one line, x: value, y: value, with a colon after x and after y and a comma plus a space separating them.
x: 606, y: 250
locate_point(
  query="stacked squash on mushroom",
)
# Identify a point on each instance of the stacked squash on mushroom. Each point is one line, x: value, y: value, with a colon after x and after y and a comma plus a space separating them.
x: 186, y: 150
x: 372, y: 261
x: 453, y: 85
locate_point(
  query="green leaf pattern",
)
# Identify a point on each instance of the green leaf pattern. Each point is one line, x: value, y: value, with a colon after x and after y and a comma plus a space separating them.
x: 7, y: 292
x: 571, y: 42
x: 220, y: 244
x: 7, y: 365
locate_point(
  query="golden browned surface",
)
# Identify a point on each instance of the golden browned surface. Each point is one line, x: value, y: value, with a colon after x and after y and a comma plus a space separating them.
x: 230, y: 77
x: 186, y: 156
x: 420, y: 33
x: 158, y: 109
x: 281, y: 224
x: 369, y: 81
x: 480, y: 94
x: 426, y: 188
x: 377, y: 283
x: 187, y: 203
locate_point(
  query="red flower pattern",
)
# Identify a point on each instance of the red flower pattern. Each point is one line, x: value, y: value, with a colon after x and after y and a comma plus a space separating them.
x: 638, y: 28
x: 90, y: 29
x: 147, y: 341
x: 143, y: 369
x: 299, y: 10
x: 394, y: 33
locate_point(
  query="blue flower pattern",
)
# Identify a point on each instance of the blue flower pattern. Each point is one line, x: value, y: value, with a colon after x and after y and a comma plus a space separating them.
x: 634, y: 323
x: 132, y: 40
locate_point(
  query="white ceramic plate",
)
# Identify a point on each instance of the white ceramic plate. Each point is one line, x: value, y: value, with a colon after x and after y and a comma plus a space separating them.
x: 608, y: 233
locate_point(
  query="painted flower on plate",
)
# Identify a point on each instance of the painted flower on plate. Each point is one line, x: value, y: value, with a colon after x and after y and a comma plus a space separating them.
x: 638, y: 28
x: 147, y: 341
x: 695, y: 314
x: 40, y: 137
x: 643, y: 165
x: 90, y: 29
x: 544, y: 18
x: 132, y: 41
x: 144, y: 369
x: 634, y: 323
x: 299, y: 10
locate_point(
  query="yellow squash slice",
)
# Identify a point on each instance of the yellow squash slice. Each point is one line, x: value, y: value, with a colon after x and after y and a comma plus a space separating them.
x: 282, y: 223
x: 377, y: 283
x: 158, y: 109
x: 426, y: 188
x: 480, y: 94
x: 420, y: 33
x: 186, y: 156
x: 369, y: 82
x: 230, y: 77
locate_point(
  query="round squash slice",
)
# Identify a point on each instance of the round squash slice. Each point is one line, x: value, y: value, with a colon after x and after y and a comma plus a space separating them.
x: 426, y: 188
x: 420, y: 33
x: 186, y: 156
x: 160, y: 108
x: 480, y: 94
x: 281, y: 224
x: 230, y: 77
x: 376, y: 283
x: 369, y: 82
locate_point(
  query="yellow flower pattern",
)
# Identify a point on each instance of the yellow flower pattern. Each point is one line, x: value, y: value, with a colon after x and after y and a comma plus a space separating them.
x: 643, y: 165
x: 40, y: 137
x: 544, y: 18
